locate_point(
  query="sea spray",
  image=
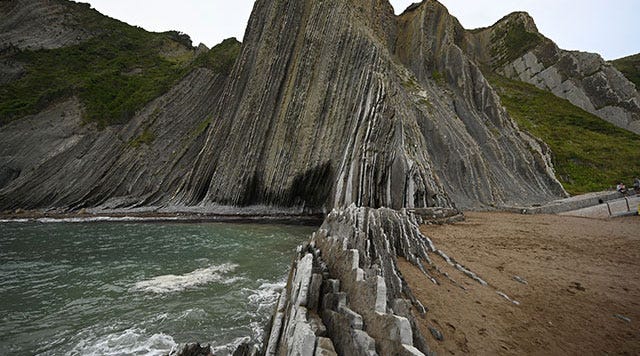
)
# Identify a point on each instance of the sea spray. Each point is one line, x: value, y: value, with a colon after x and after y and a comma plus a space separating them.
x: 176, y: 283
x: 119, y: 288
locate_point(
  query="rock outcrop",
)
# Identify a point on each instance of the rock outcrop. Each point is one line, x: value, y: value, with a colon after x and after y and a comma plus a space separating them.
x: 53, y: 160
x: 27, y: 24
x: 328, y: 104
x: 345, y: 293
x: 513, y: 47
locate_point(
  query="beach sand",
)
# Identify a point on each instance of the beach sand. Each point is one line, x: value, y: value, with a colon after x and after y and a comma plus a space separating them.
x: 582, y: 291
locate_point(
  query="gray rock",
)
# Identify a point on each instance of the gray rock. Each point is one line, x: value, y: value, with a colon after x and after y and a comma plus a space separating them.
x: 584, y: 79
x: 388, y: 134
x: 622, y: 317
x: 324, y: 347
x: 436, y: 333
x: 303, y: 340
x: 520, y: 280
x: 36, y: 24
x: 314, y: 291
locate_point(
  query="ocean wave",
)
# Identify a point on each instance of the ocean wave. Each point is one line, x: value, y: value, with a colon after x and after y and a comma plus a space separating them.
x: 93, y: 219
x: 176, y: 283
x: 267, y: 294
x: 228, y: 349
x: 129, y: 342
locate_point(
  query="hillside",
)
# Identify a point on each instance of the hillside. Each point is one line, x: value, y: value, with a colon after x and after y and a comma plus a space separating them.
x: 630, y: 67
x: 589, y: 154
x: 114, y: 71
x: 514, y: 48
x: 327, y: 106
x: 97, y: 112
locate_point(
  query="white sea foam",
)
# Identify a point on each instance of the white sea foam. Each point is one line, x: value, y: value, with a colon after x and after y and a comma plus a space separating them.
x: 229, y: 348
x: 266, y: 294
x: 93, y: 219
x: 175, y: 283
x: 14, y: 220
x: 129, y: 342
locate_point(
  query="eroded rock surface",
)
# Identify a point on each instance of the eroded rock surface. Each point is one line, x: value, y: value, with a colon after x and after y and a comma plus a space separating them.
x: 346, y: 294
x: 327, y: 109
x: 53, y: 160
x: 28, y: 24
x: 585, y: 79
x: 328, y: 104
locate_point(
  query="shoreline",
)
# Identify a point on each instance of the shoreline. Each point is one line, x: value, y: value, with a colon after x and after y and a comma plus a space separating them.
x: 160, y: 217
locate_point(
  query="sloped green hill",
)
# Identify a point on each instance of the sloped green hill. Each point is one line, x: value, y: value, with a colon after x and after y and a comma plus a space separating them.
x: 114, y: 73
x: 630, y: 67
x: 589, y: 153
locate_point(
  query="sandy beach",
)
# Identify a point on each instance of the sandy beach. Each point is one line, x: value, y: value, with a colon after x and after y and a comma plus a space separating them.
x: 576, y: 282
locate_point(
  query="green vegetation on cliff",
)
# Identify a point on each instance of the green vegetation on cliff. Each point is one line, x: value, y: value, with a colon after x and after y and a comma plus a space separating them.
x: 630, y: 67
x: 589, y: 153
x: 114, y: 74
x: 512, y: 41
x: 220, y: 58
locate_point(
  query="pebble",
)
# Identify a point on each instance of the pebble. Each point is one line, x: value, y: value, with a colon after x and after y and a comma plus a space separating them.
x: 520, y: 279
x: 622, y: 317
x: 437, y: 334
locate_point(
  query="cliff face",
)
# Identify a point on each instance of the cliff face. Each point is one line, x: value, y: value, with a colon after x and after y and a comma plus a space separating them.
x: 328, y: 104
x: 48, y: 24
x: 513, y: 47
x: 333, y: 103
x: 53, y: 160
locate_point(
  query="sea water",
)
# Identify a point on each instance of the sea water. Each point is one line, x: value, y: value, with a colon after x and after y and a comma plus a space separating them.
x: 106, y: 288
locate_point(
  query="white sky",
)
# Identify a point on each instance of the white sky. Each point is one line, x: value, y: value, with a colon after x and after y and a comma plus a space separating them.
x: 608, y: 27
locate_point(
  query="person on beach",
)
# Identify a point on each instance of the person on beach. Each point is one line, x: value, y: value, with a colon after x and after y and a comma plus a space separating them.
x: 621, y: 188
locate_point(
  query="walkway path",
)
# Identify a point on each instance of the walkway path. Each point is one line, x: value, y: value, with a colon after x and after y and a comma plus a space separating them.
x: 618, y: 207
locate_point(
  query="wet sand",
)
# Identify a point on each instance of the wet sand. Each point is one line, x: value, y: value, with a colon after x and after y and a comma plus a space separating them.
x: 582, y: 291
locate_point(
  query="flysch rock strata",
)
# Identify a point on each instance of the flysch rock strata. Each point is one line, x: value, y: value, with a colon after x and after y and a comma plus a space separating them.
x: 345, y: 293
x: 333, y: 103
x: 53, y: 160
x: 584, y: 79
x: 329, y: 103
x: 28, y: 24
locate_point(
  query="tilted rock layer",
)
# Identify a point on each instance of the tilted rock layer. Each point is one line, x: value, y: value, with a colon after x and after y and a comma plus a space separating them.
x: 584, y: 79
x: 333, y: 103
x: 329, y: 104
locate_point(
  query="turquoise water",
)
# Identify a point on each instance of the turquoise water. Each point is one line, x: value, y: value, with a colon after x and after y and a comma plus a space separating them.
x: 138, y: 288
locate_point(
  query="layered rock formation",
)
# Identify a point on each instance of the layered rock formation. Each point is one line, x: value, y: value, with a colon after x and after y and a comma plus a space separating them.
x: 53, y: 160
x: 345, y: 293
x: 47, y: 24
x: 338, y: 111
x: 513, y: 47
x: 328, y: 104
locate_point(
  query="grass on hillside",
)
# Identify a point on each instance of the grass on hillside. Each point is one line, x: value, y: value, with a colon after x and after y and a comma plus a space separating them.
x: 630, y: 67
x: 114, y: 74
x: 220, y: 58
x: 589, y: 153
x: 511, y: 42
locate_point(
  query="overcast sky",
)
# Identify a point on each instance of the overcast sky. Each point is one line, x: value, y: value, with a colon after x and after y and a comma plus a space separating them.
x: 608, y: 27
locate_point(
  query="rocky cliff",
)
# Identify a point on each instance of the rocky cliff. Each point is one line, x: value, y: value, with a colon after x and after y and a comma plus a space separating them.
x: 41, y: 24
x: 630, y: 67
x: 336, y: 103
x: 513, y: 47
x: 346, y: 294
x: 328, y: 104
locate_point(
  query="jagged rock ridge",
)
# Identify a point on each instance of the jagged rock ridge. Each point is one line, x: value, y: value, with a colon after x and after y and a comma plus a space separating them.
x: 513, y: 47
x: 328, y: 104
x: 340, y: 112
